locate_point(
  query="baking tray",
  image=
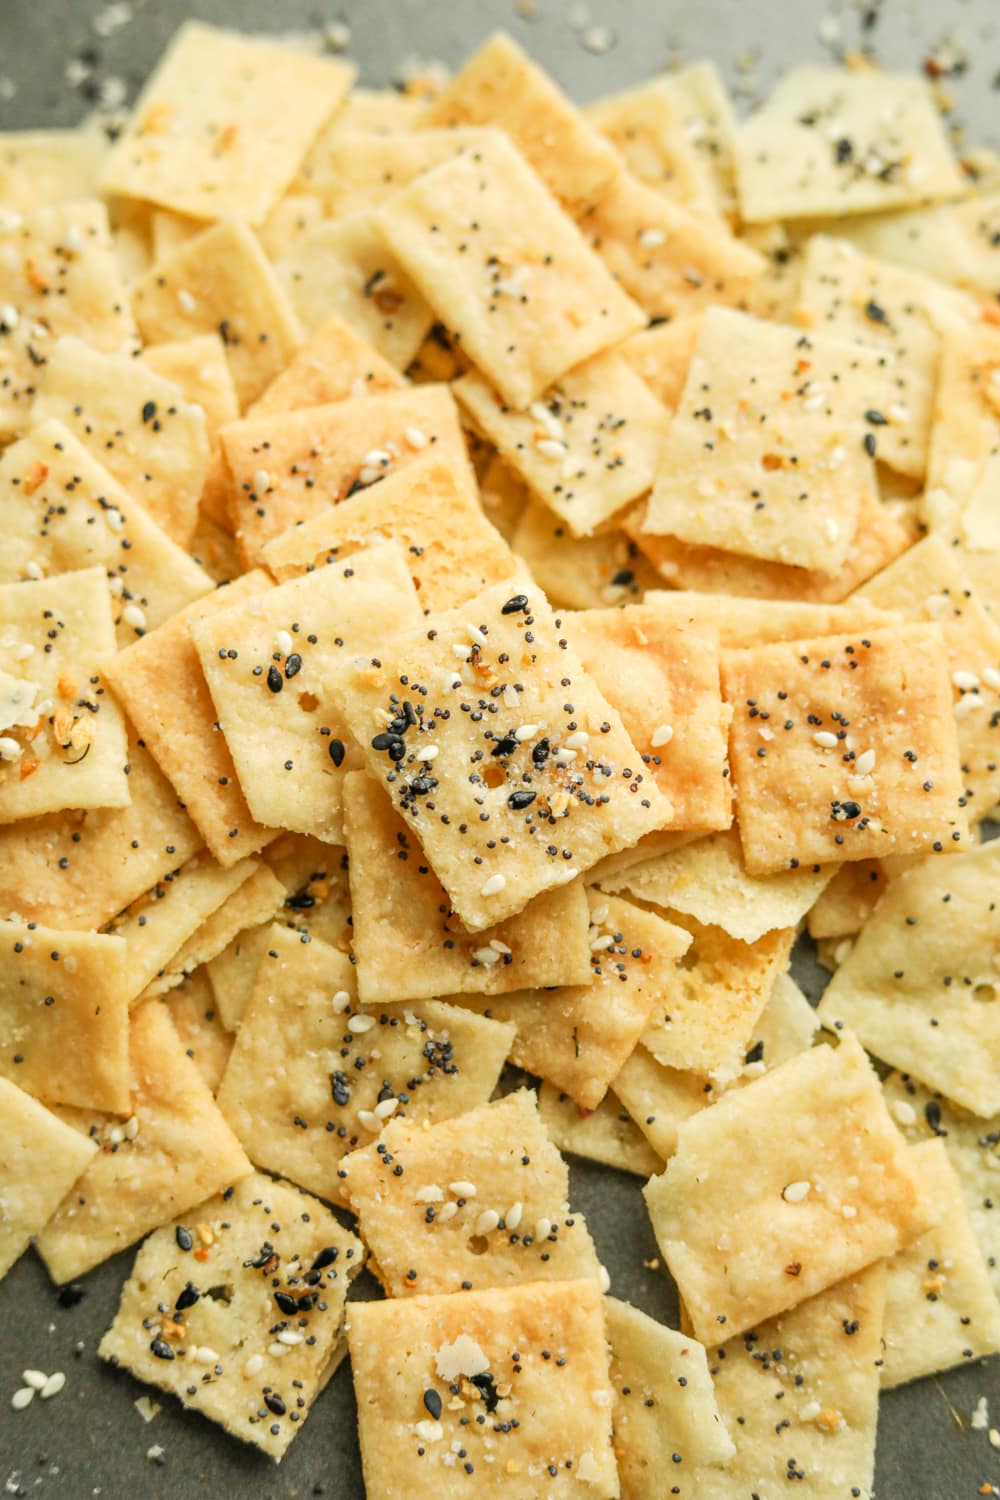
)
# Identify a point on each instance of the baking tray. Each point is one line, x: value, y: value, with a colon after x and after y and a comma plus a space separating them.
x: 90, y: 1441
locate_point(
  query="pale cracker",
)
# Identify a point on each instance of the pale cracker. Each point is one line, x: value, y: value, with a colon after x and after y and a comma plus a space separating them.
x: 555, y: 1393
x: 586, y: 447
x: 406, y: 940
x: 918, y: 984
x: 137, y: 424
x: 420, y: 1246
x: 661, y: 355
x: 660, y: 1098
x: 291, y: 775
x: 295, y: 1059
x: 799, y: 798
x: 40, y: 1159
x: 289, y: 219
x: 502, y: 495
x: 221, y: 282
x: 160, y: 682
x: 756, y: 622
x: 430, y: 509
x: 132, y: 234
x: 168, y: 231
x: 359, y: 169
x: 386, y: 110
x: 966, y: 429
x: 845, y: 904
x: 824, y: 1142
x: 223, y: 123
x: 200, y: 367
x: 941, y: 1309
x: 579, y: 572
x: 645, y: 127
x: 828, y: 141
x: 253, y: 902
x: 529, y: 299
x: 567, y: 729
x: 607, y: 1134
x: 64, y: 1030
x: 706, y: 112
x: 336, y: 362
x: 263, y: 1244
x: 195, y: 1018
x: 65, y: 744
x: 39, y: 168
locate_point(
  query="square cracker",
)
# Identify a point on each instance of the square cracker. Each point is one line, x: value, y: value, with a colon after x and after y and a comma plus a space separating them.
x: 670, y: 260
x: 64, y: 1015
x: 200, y: 368
x: 133, y: 421
x: 607, y: 1134
x: 799, y: 799
x: 549, y: 756
x: 48, y: 864
x: 661, y: 355
x: 941, y: 1309
x: 64, y: 741
x: 579, y: 1037
x: 263, y: 1244
x: 578, y: 572
x: 497, y: 1346
x: 160, y: 682
x: 769, y: 439
x: 40, y: 1159
x: 828, y: 141
x: 42, y: 167
x: 407, y: 942
x: 757, y: 622
x: 354, y: 170
x: 290, y: 466
x: 180, y: 1152
x: 430, y: 509
x: 253, y: 902
x: 310, y: 1065
x: 196, y: 1020
x: 63, y: 511
x: 708, y: 880
x: 223, y: 123
x: 820, y: 1361
x: 272, y: 657
x: 646, y: 128
x: 442, y: 1224
x: 586, y: 447
x: 57, y: 272
x: 663, y: 678
x: 334, y: 363
x: 505, y: 269
x: 741, y: 1250
x: 344, y: 266
x: 927, y: 584
x: 918, y: 984
x: 221, y: 282
x: 845, y: 904
x: 499, y: 85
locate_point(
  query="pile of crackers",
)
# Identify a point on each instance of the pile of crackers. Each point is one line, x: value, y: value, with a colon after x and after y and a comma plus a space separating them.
x: 478, y: 577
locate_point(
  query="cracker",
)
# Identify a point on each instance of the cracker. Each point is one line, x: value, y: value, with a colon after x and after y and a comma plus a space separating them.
x: 926, y: 584
x: 358, y: 169
x: 180, y: 1152
x: 41, y: 167
x: 221, y: 282
x: 887, y: 692
x: 500, y: 85
x: 845, y: 904
x: 295, y: 1091
x: 498, y: 1347
x: 430, y: 509
x: 223, y: 123
x: 442, y: 1224
x: 966, y: 429
x: 313, y: 459
x: 200, y: 368
x: 917, y: 985
x: 344, y: 266
x: 645, y: 127
x: 587, y: 447
x: 160, y: 682
x: 579, y: 1037
x: 707, y: 880
x: 774, y: 453
x: 607, y: 1134
x: 134, y: 422
x: 664, y: 1407
x: 823, y: 1135
x: 829, y: 141
x: 786, y: 1027
x: 255, y: 901
x: 579, y: 572
x: 818, y: 1366
x: 385, y: 110
x: 64, y: 250
x: 271, y: 658
x: 706, y: 113
x: 336, y: 362
x: 406, y: 940
x: 533, y: 299
x: 667, y: 258
x: 40, y: 1159
x: 757, y: 622
x: 195, y: 1019
x: 64, y: 1015
x: 561, y: 718
x: 64, y: 739
x: 941, y: 1309
x: 290, y: 218
x: 48, y: 864
x: 660, y: 1098
x: 661, y: 355
x: 261, y: 1245
x: 663, y: 678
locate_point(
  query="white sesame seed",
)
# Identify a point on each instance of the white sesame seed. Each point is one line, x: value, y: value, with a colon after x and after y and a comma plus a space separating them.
x: 651, y: 239
x: 116, y: 1135
x: 487, y: 1221
x: 499, y: 947
x: 662, y: 735
x: 563, y: 756
x: 73, y: 238
x: 205, y: 1355
x: 360, y: 1024
x: 494, y: 885
x: 35, y: 1378
x: 131, y: 1128
x: 796, y: 1192
x: 966, y: 682
x: 814, y: 401
x: 830, y: 529
x: 253, y: 1366
x: 765, y: 732
x: 865, y: 763
x: 810, y: 1411
x: 261, y: 482
x: 461, y: 650
x: 186, y: 301
x: 429, y: 1194
x: 22, y: 1398
x: 445, y: 1212
x: 599, y: 914
x: 34, y: 570
x: 512, y: 1217
x: 290, y: 1337
x: 9, y: 317
x: 510, y: 696
x: 415, y: 437
x: 276, y: 1350
x: 428, y: 1431
x: 133, y: 615
x: 525, y: 732
x: 369, y: 1120
x: 825, y: 739
x: 903, y: 1112
x: 968, y: 704
x: 598, y: 39
x: 550, y: 447
x: 368, y: 474
x: 543, y: 1228
x: 478, y: 636
x: 431, y: 753
x: 341, y: 1000
x: 578, y: 741
x: 486, y: 957
x: 386, y: 1107
x: 9, y: 748
x: 991, y: 677
x: 601, y: 943
x: 462, y: 1189
x: 377, y: 458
